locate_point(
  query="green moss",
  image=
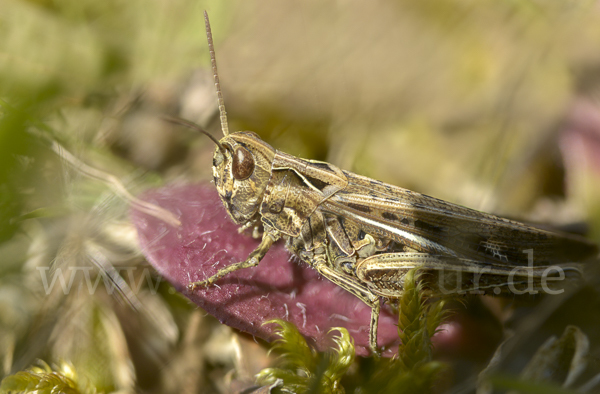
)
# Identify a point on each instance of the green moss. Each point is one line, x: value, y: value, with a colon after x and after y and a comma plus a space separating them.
x: 302, y: 369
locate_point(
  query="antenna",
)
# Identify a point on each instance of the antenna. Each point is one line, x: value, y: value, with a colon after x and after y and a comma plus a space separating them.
x: 194, y: 126
x: 213, y: 61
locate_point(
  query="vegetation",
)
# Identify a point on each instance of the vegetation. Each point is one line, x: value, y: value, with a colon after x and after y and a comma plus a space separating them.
x: 489, y: 104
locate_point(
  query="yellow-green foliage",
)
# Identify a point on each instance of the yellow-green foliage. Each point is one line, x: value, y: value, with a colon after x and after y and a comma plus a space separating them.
x: 301, y: 368
x: 417, y: 324
x: 43, y: 380
x: 413, y: 370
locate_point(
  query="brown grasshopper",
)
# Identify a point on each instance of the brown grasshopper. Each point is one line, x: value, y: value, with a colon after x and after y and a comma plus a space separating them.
x: 364, y: 235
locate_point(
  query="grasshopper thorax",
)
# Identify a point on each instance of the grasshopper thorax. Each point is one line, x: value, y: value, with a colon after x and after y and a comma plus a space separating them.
x: 241, y: 172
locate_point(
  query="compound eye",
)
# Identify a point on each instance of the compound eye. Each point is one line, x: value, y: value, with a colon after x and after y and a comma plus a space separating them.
x: 243, y: 163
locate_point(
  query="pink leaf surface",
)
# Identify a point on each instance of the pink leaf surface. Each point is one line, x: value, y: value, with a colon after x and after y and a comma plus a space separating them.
x: 279, y: 287
x: 580, y: 140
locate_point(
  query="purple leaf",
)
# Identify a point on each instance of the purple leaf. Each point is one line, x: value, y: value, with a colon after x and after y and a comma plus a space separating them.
x: 279, y: 287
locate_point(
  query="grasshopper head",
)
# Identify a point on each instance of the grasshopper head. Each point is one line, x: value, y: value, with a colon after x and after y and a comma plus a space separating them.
x: 241, y: 170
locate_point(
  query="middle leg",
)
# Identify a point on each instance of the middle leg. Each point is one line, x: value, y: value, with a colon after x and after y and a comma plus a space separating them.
x: 353, y: 286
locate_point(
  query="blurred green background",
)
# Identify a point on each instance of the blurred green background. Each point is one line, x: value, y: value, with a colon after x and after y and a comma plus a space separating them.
x: 475, y: 102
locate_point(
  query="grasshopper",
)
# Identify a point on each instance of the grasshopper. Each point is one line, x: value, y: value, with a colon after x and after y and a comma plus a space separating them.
x: 364, y: 235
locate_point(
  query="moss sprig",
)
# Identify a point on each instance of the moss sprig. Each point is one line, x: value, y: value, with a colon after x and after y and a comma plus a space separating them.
x: 413, y: 371
x: 301, y: 368
x: 417, y: 323
x: 45, y: 380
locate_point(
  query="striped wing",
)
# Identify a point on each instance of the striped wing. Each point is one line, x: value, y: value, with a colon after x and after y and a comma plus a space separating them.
x: 434, y: 226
